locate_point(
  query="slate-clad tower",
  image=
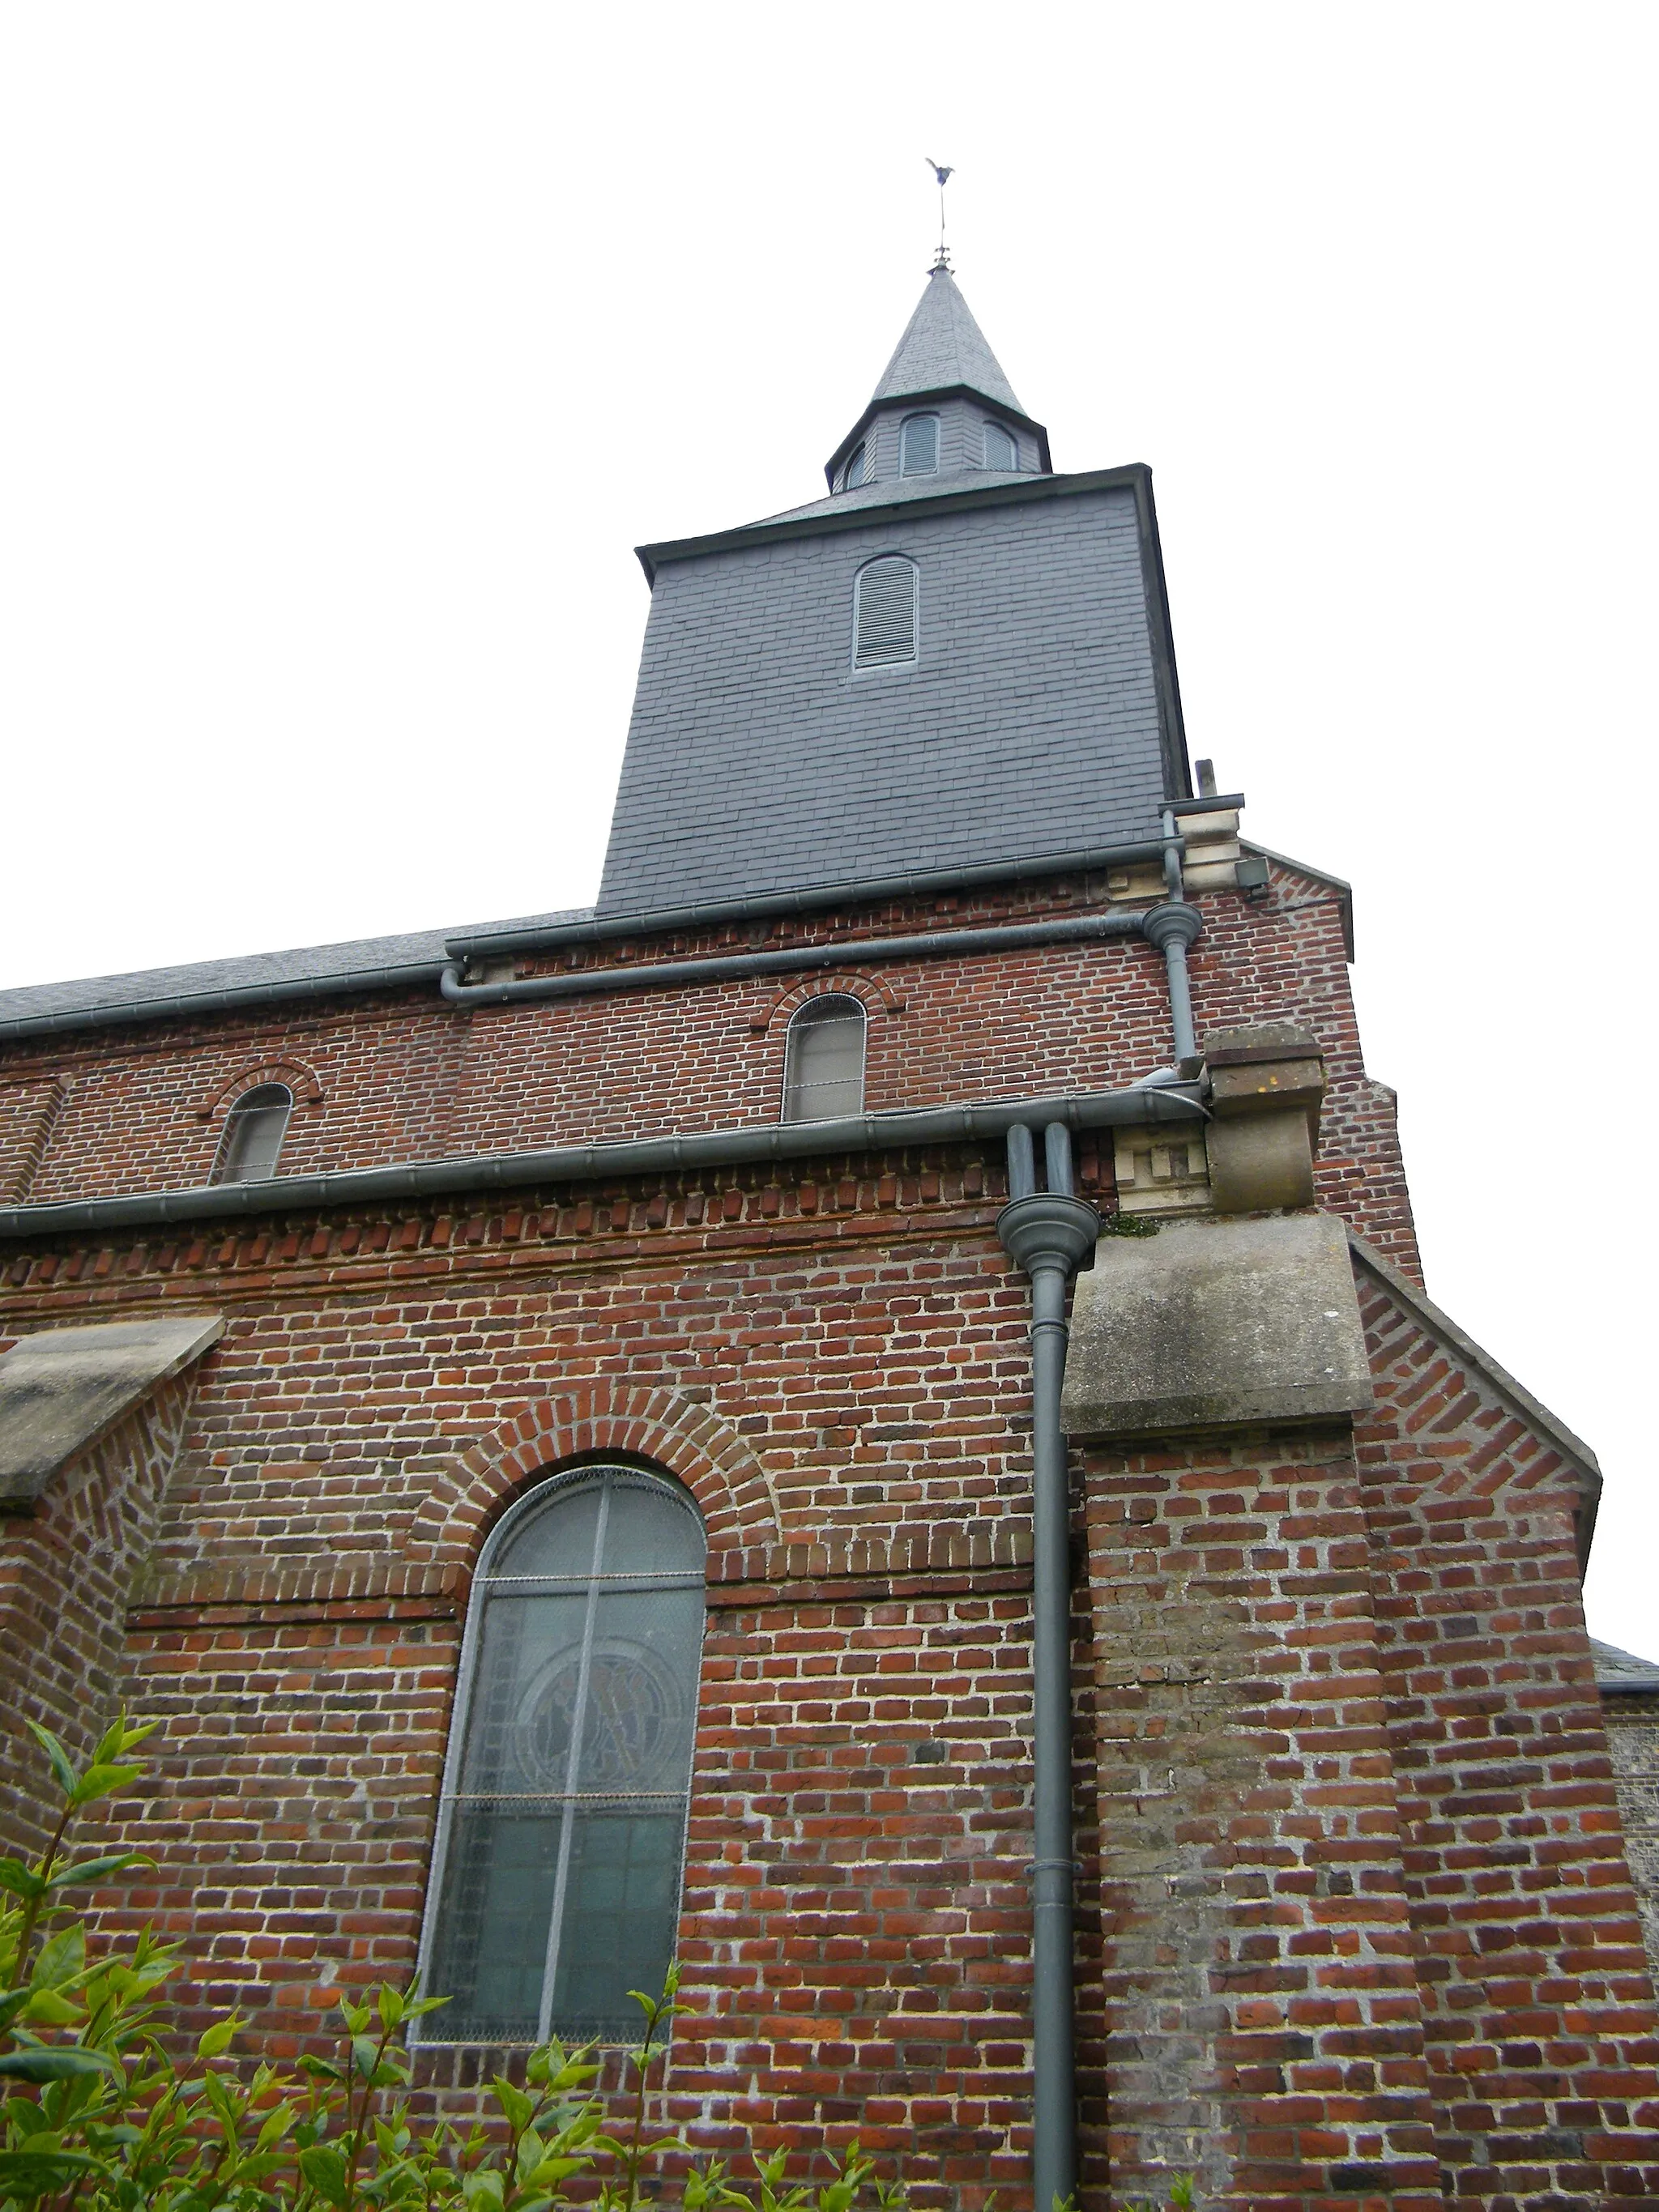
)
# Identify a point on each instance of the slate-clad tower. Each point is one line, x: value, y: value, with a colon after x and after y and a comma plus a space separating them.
x: 566, y: 1423
x: 1036, y: 711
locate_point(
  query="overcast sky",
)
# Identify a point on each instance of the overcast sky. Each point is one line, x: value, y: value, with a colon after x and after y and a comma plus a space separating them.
x: 349, y: 348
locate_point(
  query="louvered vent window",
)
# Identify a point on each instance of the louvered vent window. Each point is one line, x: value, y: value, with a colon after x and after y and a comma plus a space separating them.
x: 254, y: 1129
x: 885, y: 595
x: 853, y: 476
x: 919, y: 445
x: 823, y: 1061
x: 556, y: 1878
x: 1000, y: 451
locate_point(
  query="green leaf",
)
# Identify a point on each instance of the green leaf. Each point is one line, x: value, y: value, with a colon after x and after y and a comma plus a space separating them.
x: 123, y: 1735
x: 216, y: 2040
x: 63, y: 1773
x: 364, y: 2053
x: 101, y: 1780
x: 274, y: 2126
x: 19, y: 1880
x: 62, y: 1959
x: 95, y: 1869
x: 513, y: 2102
x: 50, y: 2008
x: 552, y: 2170
x: 62, y: 2062
x: 324, y: 2170
x: 24, y: 2114
x: 26, y: 2174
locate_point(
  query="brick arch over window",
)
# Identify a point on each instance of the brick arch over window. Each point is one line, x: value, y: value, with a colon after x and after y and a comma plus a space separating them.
x: 655, y: 1423
x: 876, y: 995
x: 301, y: 1080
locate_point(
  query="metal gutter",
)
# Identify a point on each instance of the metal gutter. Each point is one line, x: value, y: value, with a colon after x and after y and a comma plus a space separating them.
x: 660, y: 975
x: 500, y: 1171
x: 189, y: 1005
x: 1616, y: 1685
x: 816, y: 899
x: 818, y: 526
x: 192, y: 1006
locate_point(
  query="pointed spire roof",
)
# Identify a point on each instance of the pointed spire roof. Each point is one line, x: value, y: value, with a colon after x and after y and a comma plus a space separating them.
x: 943, y: 351
x: 942, y: 346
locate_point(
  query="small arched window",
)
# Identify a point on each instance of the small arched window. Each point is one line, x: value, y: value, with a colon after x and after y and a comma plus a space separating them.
x: 254, y: 1129
x: 556, y: 1877
x: 853, y: 475
x: 886, y: 597
x: 1000, y: 451
x: 919, y: 445
x: 823, y: 1061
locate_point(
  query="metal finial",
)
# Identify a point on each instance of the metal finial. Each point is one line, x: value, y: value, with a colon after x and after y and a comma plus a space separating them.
x: 944, y: 172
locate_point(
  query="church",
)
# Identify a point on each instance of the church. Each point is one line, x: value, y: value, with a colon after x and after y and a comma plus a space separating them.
x: 861, y: 1415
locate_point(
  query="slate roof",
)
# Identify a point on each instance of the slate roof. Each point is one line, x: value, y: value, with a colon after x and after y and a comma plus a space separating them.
x: 362, y: 962
x: 895, y: 491
x: 944, y: 345
x: 1622, y: 1670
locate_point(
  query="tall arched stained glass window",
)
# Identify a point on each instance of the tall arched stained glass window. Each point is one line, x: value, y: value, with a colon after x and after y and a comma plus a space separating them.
x: 555, y: 1880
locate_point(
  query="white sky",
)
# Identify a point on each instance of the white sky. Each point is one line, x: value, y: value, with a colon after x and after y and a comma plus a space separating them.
x: 348, y: 349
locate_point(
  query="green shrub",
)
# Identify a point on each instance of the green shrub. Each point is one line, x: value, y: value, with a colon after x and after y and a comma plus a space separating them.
x: 101, y: 2116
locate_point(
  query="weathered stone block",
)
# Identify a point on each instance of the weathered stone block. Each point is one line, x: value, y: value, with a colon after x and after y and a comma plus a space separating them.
x: 60, y: 1391
x: 1210, y: 1324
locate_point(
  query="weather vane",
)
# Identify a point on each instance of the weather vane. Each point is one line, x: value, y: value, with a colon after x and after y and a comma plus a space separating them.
x: 945, y: 175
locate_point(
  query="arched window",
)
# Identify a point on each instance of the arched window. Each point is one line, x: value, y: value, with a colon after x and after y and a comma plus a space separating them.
x: 823, y: 1061
x: 1000, y: 451
x: 556, y: 1878
x: 885, y: 593
x: 254, y: 1129
x: 919, y: 445
x: 853, y: 475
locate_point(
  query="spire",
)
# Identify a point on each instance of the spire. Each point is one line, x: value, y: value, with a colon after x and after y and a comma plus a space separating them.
x: 942, y: 370
x: 942, y: 346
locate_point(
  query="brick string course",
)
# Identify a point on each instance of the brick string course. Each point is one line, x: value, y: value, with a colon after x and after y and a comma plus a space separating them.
x: 1379, y: 1942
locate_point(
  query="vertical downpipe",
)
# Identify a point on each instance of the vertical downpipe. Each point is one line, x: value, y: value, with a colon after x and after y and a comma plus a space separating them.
x: 1172, y: 927
x: 1050, y: 1234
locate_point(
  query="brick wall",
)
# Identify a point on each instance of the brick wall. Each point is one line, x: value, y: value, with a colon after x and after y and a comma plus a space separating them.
x: 1255, y: 2014
x: 403, y: 1078
x: 1632, y: 1726
x: 1376, y: 1939
x: 1538, y: 2007
x: 68, y: 1571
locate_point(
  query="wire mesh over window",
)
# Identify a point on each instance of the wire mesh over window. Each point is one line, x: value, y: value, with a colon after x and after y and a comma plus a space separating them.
x: 823, y: 1061
x: 919, y: 445
x: 556, y: 1881
x: 254, y: 1129
x: 884, y: 597
x: 1000, y: 451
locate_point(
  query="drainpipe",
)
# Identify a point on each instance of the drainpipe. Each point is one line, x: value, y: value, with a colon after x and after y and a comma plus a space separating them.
x: 1172, y: 927
x: 1051, y: 1234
